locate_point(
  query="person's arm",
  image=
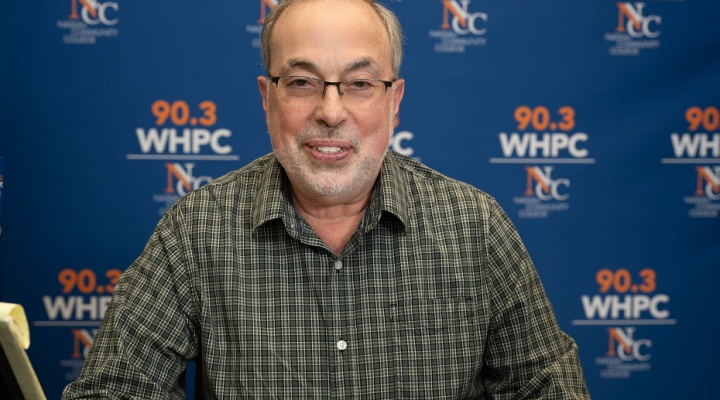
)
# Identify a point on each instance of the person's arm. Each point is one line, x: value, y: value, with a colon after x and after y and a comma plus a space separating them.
x: 147, y: 333
x: 527, y: 355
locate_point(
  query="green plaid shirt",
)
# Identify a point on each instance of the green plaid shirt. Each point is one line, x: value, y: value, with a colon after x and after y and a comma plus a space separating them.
x: 434, y: 297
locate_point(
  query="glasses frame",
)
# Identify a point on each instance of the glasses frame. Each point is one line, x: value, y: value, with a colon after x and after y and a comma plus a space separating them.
x: 276, y: 81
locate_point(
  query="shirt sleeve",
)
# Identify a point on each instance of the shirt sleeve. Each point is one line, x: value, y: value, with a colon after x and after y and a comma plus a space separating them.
x: 147, y: 335
x: 527, y: 355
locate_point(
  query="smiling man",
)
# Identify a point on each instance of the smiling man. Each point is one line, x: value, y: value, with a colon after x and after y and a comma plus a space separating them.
x: 332, y: 268
x: 330, y: 98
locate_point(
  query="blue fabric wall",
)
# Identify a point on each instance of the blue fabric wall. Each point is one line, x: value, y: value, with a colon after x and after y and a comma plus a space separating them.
x: 594, y: 123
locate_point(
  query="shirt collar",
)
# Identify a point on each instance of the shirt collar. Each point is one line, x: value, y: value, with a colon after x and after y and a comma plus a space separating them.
x: 272, y: 198
x: 273, y: 201
x: 390, y: 195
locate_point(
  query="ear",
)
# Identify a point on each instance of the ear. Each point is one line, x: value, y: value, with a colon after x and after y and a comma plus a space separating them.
x: 263, y: 86
x: 398, y: 91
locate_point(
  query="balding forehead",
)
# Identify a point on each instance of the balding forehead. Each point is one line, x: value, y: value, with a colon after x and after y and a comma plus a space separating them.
x: 391, y: 30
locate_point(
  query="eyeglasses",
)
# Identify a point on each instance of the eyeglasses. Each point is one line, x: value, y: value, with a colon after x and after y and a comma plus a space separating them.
x: 304, y: 91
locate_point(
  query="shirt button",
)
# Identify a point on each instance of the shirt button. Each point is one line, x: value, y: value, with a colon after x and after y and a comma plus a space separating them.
x: 338, y: 265
x: 342, y: 345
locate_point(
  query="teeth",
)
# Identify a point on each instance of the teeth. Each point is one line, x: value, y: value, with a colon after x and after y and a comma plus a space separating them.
x: 329, y: 150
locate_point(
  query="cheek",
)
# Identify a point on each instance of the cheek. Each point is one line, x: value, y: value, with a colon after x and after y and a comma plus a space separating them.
x: 377, y: 137
x: 283, y: 125
x: 379, y: 125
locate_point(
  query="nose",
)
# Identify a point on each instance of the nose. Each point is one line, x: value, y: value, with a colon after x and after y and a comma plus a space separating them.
x: 330, y: 108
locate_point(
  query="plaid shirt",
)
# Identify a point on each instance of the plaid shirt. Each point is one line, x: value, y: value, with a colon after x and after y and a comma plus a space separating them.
x: 434, y: 297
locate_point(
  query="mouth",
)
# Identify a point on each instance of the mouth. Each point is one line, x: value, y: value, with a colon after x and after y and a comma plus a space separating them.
x: 328, y: 149
x: 329, y: 152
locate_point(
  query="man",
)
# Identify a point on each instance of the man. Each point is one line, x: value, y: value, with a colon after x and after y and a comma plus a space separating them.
x: 332, y: 268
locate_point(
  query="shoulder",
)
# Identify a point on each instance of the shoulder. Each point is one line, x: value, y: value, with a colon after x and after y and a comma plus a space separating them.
x: 431, y: 185
x: 250, y: 173
x: 234, y: 191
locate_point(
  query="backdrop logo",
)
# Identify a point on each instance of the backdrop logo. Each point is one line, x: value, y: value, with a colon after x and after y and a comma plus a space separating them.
x: 184, y: 131
x: 545, y: 188
x: 706, y: 200
x: 626, y: 354
x: 625, y: 299
x: 181, y: 180
x: 76, y: 306
x: 543, y: 193
x: 89, y: 20
x: 93, y: 12
x: 400, y: 142
x: 182, y: 134
x: 463, y: 21
x: 632, y: 21
x: 255, y: 29
x: 460, y: 28
x: 265, y: 7
x: 708, y: 182
x: 699, y: 146
x: 623, y: 346
x: 82, y: 341
x: 543, y: 136
x: 635, y: 30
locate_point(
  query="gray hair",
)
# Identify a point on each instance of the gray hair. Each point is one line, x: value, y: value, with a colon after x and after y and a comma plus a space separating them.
x: 392, y: 25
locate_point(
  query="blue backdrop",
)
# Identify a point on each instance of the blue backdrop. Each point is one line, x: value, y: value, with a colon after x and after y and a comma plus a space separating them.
x: 594, y: 123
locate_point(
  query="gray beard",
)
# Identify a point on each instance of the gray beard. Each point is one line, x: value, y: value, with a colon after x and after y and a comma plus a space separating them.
x: 329, y: 180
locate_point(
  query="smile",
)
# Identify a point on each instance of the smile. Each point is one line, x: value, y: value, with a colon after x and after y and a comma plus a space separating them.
x: 329, y: 150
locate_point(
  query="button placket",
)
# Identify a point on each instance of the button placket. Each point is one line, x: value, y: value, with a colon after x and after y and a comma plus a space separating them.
x: 338, y: 303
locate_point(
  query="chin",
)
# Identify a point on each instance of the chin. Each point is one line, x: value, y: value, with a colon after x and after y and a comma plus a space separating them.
x: 331, y: 185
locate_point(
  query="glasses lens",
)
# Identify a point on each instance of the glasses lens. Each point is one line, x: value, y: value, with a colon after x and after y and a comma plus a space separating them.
x: 299, y: 90
x: 360, y: 94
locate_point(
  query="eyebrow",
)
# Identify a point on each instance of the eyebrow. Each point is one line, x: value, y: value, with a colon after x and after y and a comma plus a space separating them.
x: 362, y: 63
x: 298, y: 63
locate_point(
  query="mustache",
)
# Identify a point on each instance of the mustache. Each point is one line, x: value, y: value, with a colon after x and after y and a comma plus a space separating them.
x: 320, y: 132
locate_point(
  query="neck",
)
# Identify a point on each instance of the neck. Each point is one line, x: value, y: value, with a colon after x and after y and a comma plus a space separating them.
x: 333, y: 220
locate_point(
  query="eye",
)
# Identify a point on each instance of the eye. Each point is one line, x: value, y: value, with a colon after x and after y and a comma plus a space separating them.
x: 358, y: 85
x: 298, y: 82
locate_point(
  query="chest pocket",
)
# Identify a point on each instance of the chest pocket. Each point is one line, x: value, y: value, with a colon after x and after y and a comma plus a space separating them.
x: 431, y: 316
x: 438, y: 346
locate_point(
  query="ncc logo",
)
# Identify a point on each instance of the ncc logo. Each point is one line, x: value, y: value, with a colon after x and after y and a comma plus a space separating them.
x: 463, y: 22
x: 632, y: 21
x: 82, y: 341
x: 90, y: 21
x: 180, y: 178
x: 541, y: 184
x: 708, y: 182
x: 623, y: 346
x: 93, y: 12
x: 265, y: 7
